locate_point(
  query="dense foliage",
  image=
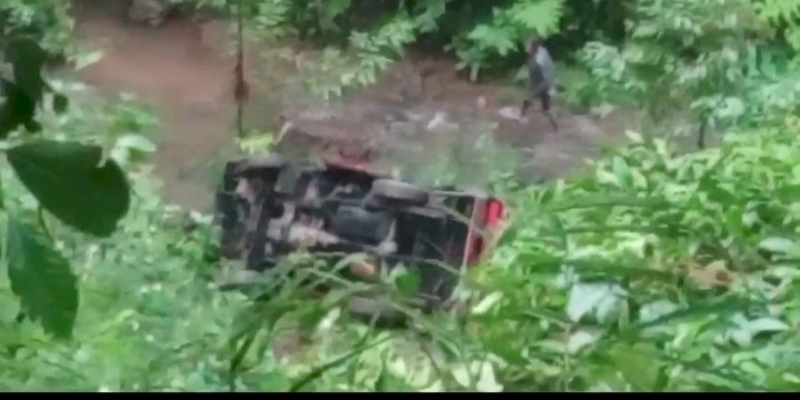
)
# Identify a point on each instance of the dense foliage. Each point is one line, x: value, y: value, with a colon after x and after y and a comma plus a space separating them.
x: 652, y: 270
x: 716, y: 54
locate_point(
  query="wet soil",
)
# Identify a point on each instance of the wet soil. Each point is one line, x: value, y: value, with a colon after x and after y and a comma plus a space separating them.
x: 183, y: 69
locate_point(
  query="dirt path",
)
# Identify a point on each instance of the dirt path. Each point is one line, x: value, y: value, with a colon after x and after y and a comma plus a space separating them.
x: 182, y: 70
x: 179, y: 74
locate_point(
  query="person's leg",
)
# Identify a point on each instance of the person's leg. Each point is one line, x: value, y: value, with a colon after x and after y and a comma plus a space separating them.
x: 526, y: 104
x: 545, y: 99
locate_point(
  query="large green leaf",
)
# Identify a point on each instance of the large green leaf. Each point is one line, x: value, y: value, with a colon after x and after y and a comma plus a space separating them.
x: 71, y: 181
x: 42, y: 278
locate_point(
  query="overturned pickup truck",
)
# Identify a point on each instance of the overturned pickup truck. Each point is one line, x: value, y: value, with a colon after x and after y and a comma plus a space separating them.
x: 269, y: 207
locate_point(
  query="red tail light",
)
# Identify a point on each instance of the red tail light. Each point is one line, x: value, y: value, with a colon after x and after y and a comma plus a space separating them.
x: 494, y: 213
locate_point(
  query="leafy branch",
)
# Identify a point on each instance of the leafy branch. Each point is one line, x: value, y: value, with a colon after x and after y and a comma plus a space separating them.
x: 74, y: 182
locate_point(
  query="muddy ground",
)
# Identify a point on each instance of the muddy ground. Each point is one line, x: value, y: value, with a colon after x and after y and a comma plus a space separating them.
x: 446, y: 126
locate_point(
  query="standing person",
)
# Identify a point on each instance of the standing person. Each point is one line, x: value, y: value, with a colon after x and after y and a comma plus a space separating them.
x: 542, y: 73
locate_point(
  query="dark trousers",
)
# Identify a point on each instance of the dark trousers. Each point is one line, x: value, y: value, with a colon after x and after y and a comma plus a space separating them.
x: 545, y: 100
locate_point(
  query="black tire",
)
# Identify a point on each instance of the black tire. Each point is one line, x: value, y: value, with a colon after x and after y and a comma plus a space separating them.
x: 263, y: 162
x: 391, y: 189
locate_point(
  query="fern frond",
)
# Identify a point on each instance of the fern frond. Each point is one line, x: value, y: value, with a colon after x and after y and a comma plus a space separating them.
x: 778, y: 11
x: 539, y: 16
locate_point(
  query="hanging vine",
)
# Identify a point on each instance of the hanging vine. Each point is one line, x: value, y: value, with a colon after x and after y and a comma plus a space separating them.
x: 241, y: 91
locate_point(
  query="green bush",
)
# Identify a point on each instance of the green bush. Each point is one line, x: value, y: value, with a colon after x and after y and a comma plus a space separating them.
x: 651, y: 271
x: 45, y: 21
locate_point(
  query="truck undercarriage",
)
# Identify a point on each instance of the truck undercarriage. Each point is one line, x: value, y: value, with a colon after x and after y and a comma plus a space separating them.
x: 269, y: 208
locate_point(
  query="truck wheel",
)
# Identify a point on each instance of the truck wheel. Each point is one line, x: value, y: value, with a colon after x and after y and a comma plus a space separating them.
x: 262, y: 162
x: 391, y: 189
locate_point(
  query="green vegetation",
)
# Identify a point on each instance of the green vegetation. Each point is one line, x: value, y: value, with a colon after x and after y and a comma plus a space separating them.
x: 651, y: 270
